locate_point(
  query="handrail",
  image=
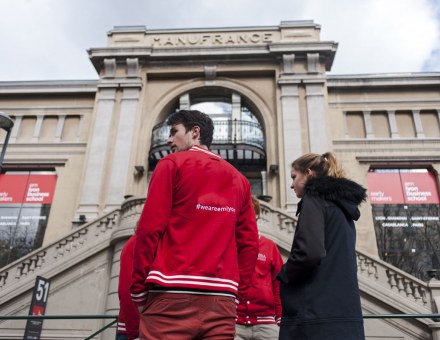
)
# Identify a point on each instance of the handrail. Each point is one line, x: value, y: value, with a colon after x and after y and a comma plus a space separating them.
x: 66, y: 317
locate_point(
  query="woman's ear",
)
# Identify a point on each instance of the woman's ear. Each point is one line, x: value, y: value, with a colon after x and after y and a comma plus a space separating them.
x: 309, y: 173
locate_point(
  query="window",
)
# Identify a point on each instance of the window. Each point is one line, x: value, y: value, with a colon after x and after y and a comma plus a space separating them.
x: 25, y: 202
x: 406, y: 212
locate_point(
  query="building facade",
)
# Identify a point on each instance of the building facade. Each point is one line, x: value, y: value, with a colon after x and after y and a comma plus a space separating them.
x: 79, y: 149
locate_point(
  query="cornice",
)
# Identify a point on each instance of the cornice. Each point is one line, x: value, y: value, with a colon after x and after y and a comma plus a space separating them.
x: 383, y: 80
x: 48, y: 86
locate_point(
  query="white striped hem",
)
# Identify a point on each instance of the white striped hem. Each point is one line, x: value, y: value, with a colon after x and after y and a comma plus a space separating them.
x: 190, y: 292
x: 192, y: 280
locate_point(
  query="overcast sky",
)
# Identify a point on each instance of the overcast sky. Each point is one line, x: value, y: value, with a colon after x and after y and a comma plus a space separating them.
x: 48, y: 39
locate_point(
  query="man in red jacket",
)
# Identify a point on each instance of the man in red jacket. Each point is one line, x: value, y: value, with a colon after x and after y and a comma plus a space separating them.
x: 197, y: 239
x: 260, y: 314
x: 128, y: 318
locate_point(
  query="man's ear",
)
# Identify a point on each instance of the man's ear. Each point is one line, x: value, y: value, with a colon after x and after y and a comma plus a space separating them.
x: 195, y: 133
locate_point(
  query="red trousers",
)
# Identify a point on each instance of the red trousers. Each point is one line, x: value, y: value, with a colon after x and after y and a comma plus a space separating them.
x: 176, y: 316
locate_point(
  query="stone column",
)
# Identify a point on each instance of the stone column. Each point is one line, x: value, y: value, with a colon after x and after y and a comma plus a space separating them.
x: 393, y: 124
x: 236, y: 117
x: 317, y: 117
x: 60, y: 127
x: 15, y: 129
x: 184, y: 103
x: 292, y: 143
x: 98, y: 149
x: 368, y: 126
x: 418, y: 124
x: 37, y: 130
x: 121, y: 167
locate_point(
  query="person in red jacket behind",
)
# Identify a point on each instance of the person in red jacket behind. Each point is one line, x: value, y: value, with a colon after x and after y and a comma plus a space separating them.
x: 197, y: 239
x: 128, y: 318
x: 258, y: 317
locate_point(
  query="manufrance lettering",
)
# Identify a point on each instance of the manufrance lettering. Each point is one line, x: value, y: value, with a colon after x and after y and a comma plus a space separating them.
x: 212, y: 39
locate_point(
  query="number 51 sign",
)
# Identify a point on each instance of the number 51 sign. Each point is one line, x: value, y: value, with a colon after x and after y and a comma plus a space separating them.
x: 38, y: 307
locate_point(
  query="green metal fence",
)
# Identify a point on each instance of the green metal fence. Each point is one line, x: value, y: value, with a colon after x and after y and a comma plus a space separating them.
x: 115, y: 318
x: 66, y: 317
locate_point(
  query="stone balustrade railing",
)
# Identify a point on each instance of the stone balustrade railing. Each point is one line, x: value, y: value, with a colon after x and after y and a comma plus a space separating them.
x: 396, y: 288
x: 84, y: 241
x: 388, y: 283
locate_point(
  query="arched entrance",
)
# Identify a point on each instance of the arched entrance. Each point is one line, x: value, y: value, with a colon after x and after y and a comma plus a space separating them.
x: 238, y: 132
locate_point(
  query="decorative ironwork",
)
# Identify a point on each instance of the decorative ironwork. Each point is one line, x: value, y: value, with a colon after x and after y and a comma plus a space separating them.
x: 240, y: 142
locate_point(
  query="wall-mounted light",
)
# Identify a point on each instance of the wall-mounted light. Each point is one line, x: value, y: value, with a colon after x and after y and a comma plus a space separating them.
x: 139, y: 169
x: 273, y: 169
x: 82, y: 218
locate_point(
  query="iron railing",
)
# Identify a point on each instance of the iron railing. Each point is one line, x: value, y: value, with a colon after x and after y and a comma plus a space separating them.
x: 67, y: 317
x: 225, y: 132
x: 115, y: 317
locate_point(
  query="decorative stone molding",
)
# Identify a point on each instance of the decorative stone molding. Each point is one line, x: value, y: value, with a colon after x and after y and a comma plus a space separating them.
x: 288, y: 62
x: 132, y: 67
x: 210, y: 72
x: 313, y: 63
x: 109, y: 68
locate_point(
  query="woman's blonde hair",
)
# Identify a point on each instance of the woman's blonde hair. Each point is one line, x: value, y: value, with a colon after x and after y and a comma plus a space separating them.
x: 321, y: 165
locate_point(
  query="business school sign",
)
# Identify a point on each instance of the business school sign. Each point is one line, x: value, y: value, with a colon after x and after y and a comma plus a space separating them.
x: 406, y: 217
x: 25, y: 202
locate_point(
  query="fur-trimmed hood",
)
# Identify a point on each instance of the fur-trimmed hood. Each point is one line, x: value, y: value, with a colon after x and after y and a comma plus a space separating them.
x: 348, y: 195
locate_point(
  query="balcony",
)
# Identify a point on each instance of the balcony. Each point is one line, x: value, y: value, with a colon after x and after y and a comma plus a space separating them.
x: 239, y: 142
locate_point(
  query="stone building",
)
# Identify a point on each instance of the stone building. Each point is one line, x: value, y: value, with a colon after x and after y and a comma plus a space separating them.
x: 80, y: 155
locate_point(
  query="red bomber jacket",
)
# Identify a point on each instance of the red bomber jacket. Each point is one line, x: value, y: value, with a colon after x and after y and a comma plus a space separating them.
x: 197, y: 230
x: 263, y: 303
x: 128, y: 319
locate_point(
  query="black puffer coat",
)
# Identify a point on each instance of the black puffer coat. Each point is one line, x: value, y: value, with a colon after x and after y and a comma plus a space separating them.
x: 319, y: 287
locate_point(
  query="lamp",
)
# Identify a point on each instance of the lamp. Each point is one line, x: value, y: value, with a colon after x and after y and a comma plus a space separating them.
x: 139, y: 169
x: 273, y: 169
x: 6, y: 123
x: 82, y: 218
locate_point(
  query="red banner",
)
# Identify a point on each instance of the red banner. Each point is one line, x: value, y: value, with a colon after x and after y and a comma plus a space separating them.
x: 385, y: 188
x: 419, y: 188
x: 12, y: 188
x: 40, y: 189
x: 27, y: 189
x: 402, y: 188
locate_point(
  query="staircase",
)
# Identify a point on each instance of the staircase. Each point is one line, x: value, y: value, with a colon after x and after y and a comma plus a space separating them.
x: 83, y: 268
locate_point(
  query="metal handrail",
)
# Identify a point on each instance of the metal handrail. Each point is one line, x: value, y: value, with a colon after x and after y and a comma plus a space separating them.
x: 66, y: 317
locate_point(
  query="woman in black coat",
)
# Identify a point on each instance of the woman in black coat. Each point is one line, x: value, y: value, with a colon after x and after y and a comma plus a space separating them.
x: 319, y: 288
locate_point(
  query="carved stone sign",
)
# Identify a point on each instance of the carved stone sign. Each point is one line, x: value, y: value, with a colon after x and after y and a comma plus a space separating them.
x: 211, y: 39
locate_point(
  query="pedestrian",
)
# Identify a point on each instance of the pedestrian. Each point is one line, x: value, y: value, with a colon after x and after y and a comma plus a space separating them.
x: 197, y: 239
x: 258, y: 316
x: 128, y: 318
x: 319, y: 288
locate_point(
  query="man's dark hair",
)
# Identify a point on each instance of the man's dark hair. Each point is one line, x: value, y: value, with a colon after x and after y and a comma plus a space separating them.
x: 191, y: 118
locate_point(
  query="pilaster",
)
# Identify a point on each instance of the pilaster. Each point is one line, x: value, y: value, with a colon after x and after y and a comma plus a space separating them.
x: 292, y: 143
x: 121, y: 165
x: 317, y: 117
x: 98, y: 146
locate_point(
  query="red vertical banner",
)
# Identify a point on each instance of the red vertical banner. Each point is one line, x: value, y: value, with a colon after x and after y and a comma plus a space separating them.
x: 385, y: 188
x: 419, y: 188
x: 12, y: 188
x: 40, y: 189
